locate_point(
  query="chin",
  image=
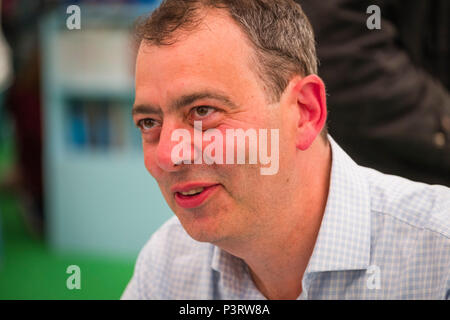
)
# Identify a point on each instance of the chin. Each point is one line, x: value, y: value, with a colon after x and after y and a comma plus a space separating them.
x: 205, y: 238
x: 202, y: 229
x: 201, y: 235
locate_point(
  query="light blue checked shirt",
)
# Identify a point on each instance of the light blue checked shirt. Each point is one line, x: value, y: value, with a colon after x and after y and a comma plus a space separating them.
x: 381, y: 237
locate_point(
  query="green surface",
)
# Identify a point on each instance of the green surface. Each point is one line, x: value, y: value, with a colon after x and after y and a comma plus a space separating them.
x: 30, y: 270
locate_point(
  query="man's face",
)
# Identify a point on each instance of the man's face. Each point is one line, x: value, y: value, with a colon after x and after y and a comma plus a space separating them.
x: 207, y: 76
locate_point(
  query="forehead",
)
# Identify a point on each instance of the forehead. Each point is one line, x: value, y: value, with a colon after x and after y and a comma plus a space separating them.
x: 217, y: 55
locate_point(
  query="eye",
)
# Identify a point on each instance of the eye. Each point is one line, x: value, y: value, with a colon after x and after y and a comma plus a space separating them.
x: 203, y: 111
x: 146, y: 124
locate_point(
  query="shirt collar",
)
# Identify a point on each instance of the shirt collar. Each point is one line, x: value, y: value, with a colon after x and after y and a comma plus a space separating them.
x: 235, y: 281
x: 343, y: 242
x: 224, y: 262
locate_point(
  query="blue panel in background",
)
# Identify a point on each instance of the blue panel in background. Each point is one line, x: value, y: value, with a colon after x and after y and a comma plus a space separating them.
x: 100, y: 199
x: 78, y: 125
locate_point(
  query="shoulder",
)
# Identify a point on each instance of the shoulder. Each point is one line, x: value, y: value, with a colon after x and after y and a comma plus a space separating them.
x: 410, y: 235
x: 171, y: 262
x: 422, y: 206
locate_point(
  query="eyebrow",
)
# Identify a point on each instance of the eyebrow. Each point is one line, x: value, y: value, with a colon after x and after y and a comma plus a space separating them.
x: 184, y: 101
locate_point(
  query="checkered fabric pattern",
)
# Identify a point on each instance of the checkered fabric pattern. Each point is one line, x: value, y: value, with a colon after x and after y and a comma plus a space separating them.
x: 382, y: 237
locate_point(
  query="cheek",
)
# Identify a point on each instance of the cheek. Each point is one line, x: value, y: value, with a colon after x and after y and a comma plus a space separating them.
x: 150, y: 161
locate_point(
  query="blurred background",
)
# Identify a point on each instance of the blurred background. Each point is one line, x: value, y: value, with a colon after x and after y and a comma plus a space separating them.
x: 73, y: 186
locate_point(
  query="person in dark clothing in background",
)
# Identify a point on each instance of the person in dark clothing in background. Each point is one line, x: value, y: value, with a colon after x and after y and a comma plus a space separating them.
x: 389, y: 103
x: 20, y: 20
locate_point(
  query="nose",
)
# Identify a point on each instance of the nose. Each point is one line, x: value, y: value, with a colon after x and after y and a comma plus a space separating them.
x: 174, y: 148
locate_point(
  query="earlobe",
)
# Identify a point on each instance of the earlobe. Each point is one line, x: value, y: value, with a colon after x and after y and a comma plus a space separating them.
x: 311, y: 104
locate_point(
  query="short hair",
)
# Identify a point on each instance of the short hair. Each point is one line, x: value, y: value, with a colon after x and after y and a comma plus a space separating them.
x: 279, y: 32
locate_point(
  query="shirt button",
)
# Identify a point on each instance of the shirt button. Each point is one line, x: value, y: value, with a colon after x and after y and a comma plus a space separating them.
x: 439, y: 140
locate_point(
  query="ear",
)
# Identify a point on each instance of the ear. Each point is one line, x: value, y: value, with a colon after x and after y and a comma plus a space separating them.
x: 309, y: 94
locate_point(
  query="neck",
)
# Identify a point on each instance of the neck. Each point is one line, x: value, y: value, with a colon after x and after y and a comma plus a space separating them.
x: 279, y: 258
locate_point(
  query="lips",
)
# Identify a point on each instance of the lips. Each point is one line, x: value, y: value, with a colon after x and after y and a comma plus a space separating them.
x: 193, y: 195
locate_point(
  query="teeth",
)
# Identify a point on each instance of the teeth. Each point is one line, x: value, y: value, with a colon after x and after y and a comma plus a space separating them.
x: 191, y: 192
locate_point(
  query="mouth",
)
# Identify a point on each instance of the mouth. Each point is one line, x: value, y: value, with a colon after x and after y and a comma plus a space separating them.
x: 193, y: 196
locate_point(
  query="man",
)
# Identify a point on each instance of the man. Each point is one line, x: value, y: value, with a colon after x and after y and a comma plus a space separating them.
x: 321, y: 227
